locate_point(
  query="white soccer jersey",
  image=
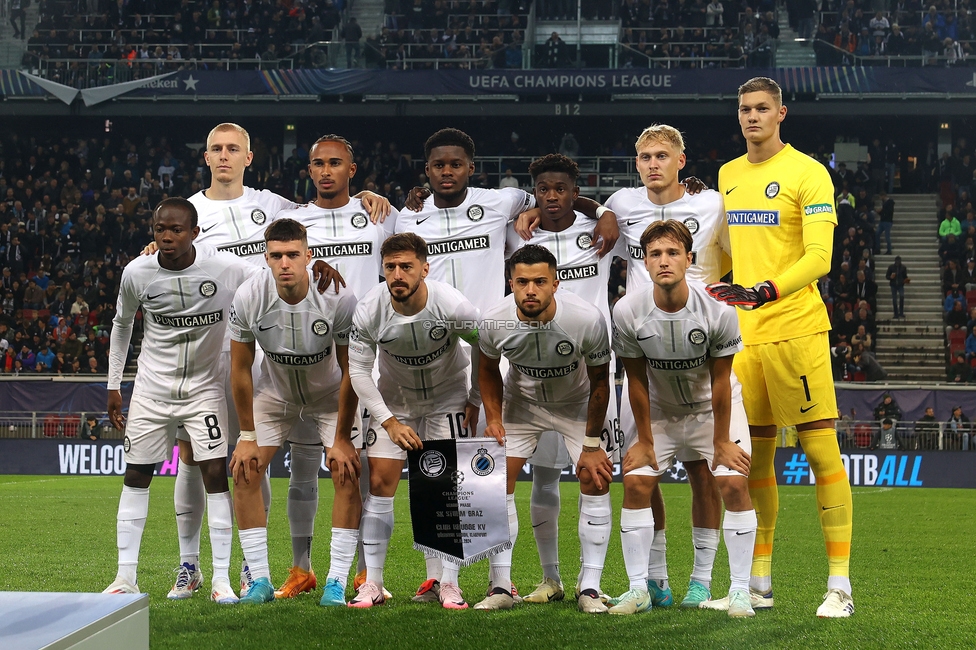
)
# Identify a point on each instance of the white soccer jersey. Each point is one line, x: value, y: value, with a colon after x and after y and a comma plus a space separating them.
x: 702, y: 213
x: 421, y: 359
x: 299, y: 365
x: 185, y: 321
x: 237, y: 225
x: 545, y: 359
x: 347, y: 240
x: 677, y: 345
x: 466, y: 244
x: 579, y: 268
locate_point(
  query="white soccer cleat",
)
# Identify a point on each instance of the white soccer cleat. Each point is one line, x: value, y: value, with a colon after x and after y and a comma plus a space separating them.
x: 756, y: 600
x: 222, y: 594
x: 836, y: 604
x: 546, y: 591
x: 188, y: 580
x: 497, y: 599
x: 740, y: 604
x: 121, y: 586
x: 589, y: 602
x: 634, y: 601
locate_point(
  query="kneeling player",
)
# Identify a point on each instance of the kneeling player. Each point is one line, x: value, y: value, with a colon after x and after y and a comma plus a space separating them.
x: 677, y: 350
x: 547, y: 389
x: 304, y: 336
x: 421, y: 393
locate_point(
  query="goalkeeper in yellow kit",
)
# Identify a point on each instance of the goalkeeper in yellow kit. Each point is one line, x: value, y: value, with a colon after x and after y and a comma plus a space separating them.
x: 780, y: 209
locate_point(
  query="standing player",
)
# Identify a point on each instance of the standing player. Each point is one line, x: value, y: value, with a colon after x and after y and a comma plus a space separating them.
x: 184, y: 291
x: 422, y: 392
x: 677, y: 347
x: 466, y: 229
x: 304, y: 374
x: 548, y: 343
x: 341, y: 234
x: 580, y: 270
x: 780, y: 209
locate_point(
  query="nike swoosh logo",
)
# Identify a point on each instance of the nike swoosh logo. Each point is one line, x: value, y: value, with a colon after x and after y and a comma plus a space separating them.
x: 156, y: 296
x: 631, y: 222
x: 729, y: 191
x: 371, y: 543
x: 213, y: 445
x: 389, y: 340
x: 644, y: 338
x: 420, y: 221
x: 210, y: 228
x: 591, y: 523
x: 807, y: 408
x: 544, y: 522
x: 183, y: 514
x: 741, y: 533
x: 700, y: 548
x: 832, y: 507
x: 265, y: 329
x: 510, y: 349
x: 628, y: 530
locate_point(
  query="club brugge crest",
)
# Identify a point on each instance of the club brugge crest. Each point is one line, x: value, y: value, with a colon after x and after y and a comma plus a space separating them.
x: 208, y: 288
x: 564, y: 348
x: 320, y: 328
x: 772, y: 190
x: 126, y: 444
x: 696, y: 336
x: 258, y: 216
x: 692, y: 225
x: 476, y: 213
x: 359, y: 220
x: 438, y: 332
x: 432, y: 463
x: 482, y: 464
x: 584, y: 241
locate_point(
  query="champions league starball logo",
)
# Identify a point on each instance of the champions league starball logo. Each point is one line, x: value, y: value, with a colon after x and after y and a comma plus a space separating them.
x: 677, y: 471
x: 482, y: 464
x: 432, y: 463
x: 457, y: 477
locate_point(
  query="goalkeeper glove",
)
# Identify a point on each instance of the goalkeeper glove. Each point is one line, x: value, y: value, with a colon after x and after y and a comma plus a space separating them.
x: 736, y: 294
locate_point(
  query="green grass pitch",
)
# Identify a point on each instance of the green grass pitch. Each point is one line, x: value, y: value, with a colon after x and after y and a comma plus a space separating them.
x: 911, y: 569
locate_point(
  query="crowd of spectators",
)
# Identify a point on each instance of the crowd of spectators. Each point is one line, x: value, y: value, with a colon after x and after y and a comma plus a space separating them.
x: 887, y: 429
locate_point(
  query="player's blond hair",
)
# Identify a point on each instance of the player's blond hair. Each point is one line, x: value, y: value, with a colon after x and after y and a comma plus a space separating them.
x: 661, y: 133
x: 764, y: 85
x: 230, y: 126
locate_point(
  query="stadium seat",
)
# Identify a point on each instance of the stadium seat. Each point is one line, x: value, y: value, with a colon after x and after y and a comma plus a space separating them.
x: 970, y: 297
x: 859, y: 375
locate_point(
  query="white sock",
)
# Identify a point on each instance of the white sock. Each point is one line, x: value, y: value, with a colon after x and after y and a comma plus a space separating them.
x: 500, y: 564
x: 377, y: 527
x: 839, y: 582
x: 706, y: 545
x: 657, y: 562
x: 254, y: 543
x: 544, y: 508
x: 220, y: 517
x: 761, y: 584
x: 130, y: 522
x: 303, y: 501
x: 594, y: 533
x: 363, y: 490
x: 435, y: 568
x: 342, y: 552
x: 636, y: 533
x: 190, y: 500
x: 450, y: 572
x: 266, y: 493
x: 740, y: 538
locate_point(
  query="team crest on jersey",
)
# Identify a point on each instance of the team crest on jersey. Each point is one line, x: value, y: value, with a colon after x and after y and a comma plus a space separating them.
x: 320, y: 328
x: 564, y: 348
x: 772, y: 190
x: 359, y: 220
x: 692, y: 225
x: 584, y: 241
x: 483, y: 464
x: 696, y: 336
x: 126, y: 444
x: 258, y: 216
x: 476, y: 213
x: 370, y: 437
x: 433, y: 463
x: 208, y: 288
x: 438, y: 332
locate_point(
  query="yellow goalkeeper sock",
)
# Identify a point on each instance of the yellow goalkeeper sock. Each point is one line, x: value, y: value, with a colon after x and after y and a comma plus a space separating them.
x: 765, y: 499
x: 835, y: 505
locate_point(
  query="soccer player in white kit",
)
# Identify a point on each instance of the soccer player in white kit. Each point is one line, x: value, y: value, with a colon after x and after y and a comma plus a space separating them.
x: 304, y: 375
x: 185, y: 291
x: 414, y: 326
x: 467, y: 232
x: 677, y: 345
x: 580, y: 270
x: 233, y: 218
x: 660, y: 156
x: 559, y: 352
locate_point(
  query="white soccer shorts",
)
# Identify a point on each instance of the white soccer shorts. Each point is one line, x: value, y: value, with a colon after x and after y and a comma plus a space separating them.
x: 151, y: 424
x: 525, y: 422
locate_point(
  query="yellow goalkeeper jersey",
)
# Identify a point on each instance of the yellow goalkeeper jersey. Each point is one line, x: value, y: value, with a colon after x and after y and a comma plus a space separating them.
x: 766, y: 205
